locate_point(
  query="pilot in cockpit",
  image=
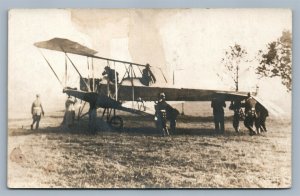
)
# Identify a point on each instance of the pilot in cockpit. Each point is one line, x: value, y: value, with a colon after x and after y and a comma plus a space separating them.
x: 110, y: 74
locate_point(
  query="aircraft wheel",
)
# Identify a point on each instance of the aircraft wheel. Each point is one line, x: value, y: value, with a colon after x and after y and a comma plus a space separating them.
x: 116, y: 122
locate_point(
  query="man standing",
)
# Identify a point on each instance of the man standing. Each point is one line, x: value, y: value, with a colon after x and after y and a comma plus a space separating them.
x: 161, y: 114
x: 250, y: 113
x: 262, y: 114
x: 69, y: 116
x: 92, y: 118
x: 172, y: 114
x: 236, y: 107
x: 36, y: 111
x: 218, y: 105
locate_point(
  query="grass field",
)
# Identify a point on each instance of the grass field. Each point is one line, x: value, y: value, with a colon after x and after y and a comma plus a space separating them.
x: 195, y: 157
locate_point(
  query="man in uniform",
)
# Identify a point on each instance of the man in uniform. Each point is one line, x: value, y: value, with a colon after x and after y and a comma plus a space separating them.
x: 164, y: 112
x: 92, y: 118
x: 218, y: 104
x: 36, y: 111
x: 262, y: 114
x: 236, y: 107
x: 161, y: 114
x: 250, y: 113
x: 172, y: 114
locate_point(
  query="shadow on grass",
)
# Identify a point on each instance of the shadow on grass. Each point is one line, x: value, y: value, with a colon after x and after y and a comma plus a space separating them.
x: 133, y: 126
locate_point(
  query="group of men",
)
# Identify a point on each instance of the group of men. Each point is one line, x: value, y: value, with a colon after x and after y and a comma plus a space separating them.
x: 37, y: 111
x: 254, y: 114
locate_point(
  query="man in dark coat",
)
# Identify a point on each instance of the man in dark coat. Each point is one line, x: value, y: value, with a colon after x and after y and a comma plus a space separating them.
x: 236, y: 107
x: 218, y: 104
x: 250, y: 113
x: 172, y: 114
x: 161, y: 114
x: 262, y: 114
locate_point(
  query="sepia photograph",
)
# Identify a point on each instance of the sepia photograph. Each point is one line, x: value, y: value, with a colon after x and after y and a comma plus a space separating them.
x: 149, y: 98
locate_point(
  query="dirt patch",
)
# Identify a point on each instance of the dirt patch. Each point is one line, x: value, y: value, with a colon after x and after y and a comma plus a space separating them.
x: 17, y: 156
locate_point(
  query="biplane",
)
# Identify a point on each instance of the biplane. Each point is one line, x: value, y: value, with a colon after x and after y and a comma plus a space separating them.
x: 111, y: 93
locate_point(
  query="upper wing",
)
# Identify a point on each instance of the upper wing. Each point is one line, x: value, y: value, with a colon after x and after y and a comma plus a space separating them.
x: 65, y: 45
x: 68, y: 46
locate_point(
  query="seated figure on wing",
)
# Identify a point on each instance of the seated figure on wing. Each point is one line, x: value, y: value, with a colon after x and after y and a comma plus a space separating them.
x: 147, y: 76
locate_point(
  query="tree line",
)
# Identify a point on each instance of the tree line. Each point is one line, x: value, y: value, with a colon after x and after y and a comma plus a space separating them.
x: 273, y: 61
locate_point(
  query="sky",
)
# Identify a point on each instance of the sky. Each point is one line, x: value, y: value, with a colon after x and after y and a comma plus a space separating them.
x: 187, y: 42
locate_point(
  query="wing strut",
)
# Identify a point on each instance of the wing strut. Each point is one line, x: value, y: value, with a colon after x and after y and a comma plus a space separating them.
x: 131, y: 70
x: 93, y: 75
x: 66, y: 70
x: 52, y: 69
x: 88, y: 65
x: 163, y: 74
x: 116, y: 83
x: 78, y: 73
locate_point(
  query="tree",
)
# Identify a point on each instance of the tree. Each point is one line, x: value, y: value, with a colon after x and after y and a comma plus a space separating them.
x: 276, y: 61
x: 233, y: 57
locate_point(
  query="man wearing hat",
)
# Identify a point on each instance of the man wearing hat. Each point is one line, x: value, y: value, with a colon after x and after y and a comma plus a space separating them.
x: 147, y: 76
x: 36, y: 111
x: 161, y: 114
x: 236, y: 107
x: 164, y: 112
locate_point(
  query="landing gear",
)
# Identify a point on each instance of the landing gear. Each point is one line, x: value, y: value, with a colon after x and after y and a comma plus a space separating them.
x: 116, y: 122
x: 109, y: 115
